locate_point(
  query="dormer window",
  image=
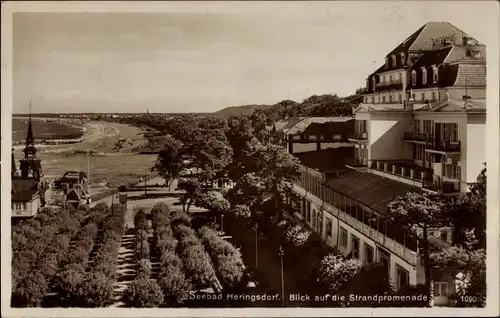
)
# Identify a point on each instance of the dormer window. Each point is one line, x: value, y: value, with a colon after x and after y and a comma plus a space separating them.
x: 403, y: 60
x: 393, y: 61
x: 367, y: 83
x: 413, y: 78
x: 424, y: 76
x: 386, y: 62
x: 434, y: 74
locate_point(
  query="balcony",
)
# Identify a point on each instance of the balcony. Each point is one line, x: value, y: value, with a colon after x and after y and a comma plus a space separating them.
x: 445, y: 187
x: 403, y: 171
x: 358, y: 137
x: 416, y: 137
x: 443, y: 146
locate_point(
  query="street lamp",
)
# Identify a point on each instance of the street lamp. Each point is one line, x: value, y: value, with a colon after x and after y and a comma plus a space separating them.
x: 281, y: 253
x: 255, y: 228
x: 222, y: 222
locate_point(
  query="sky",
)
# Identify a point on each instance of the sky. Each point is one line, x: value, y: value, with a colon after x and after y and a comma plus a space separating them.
x: 202, y: 57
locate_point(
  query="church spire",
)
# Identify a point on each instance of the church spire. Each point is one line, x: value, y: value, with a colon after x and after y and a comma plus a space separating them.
x: 30, y: 149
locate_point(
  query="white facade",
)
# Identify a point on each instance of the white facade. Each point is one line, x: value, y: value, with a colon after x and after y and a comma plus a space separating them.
x: 25, y: 209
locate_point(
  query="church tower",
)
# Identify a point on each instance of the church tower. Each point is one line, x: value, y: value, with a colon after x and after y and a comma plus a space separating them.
x: 30, y: 166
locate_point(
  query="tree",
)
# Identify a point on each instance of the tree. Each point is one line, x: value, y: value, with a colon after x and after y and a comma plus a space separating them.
x: 296, y: 234
x: 277, y: 168
x: 468, y: 215
x: 197, y: 265
x: 213, y: 201
x: 96, y: 291
x: 170, y: 161
x: 143, y: 268
x: 420, y: 212
x: 371, y: 279
x: 174, y: 284
x: 335, y: 271
x: 469, y: 266
x: 192, y: 190
x: 143, y: 292
x: 140, y: 220
x: 30, y: 291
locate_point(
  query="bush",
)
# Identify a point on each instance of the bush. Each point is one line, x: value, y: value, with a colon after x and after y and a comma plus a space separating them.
x: 30, y: 290
x: 143, y: 269
x: 179, y: 217
x: 197, y: 265
x: 335, y: 271
x: 68, y: 281
x: 174, y: 284
x: 96, y: 291
x: 143, y: 292
x: 296, y: 235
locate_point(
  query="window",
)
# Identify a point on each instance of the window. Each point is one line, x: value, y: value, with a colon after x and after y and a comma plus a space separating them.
x: 368, y: 253
x: 365, y: 100
x: 428, y: 128
x: 383, y: 98
x: 367, y: 83
x: 402, y: 277
x: 413, y: 78
x: 424, y: 76
x: 25, y: 206
x: 416, y: 126
x: 386, y: 62
x: 337, y: 137
x: 308, y: 211
x: 314, y: 218
x: 385, y: 259
x: 419, y: 152
x: 400, y: 98
x: 440, y: 289
x: 433, y: 96
x: 355, y: 246
x: 329, y: 228
x: 313, y: 137
x: 453, y: 172
x: 343, y: 237
x: 434, y: 74
x: 390, y: 98
x: 393, y: 61
x: 296, y: 137
x: 403, y: 61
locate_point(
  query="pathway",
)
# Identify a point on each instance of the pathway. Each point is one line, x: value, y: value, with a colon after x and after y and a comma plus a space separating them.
x: 126, y: 265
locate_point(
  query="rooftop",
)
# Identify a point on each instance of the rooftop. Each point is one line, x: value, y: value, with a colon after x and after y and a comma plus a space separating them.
x: 23, y: 189
x: 369, y: 189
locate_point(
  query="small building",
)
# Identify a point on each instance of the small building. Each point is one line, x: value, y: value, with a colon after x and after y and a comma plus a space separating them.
x: 70, y: 179
x: 77, y: 195
x: 25, y: 199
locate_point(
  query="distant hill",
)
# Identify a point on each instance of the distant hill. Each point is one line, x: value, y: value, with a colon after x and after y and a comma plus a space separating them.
x: 239, y: 110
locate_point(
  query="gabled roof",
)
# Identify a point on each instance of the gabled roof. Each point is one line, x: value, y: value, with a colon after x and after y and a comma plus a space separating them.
x: 327, y: 160
x: 370, y: 189
x: 285, y: 124
x: 453, y: 105
x: 23, y: 189
x: 435, y: 57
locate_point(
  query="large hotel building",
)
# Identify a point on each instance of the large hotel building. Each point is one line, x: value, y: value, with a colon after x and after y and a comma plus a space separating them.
x: 420, y: 127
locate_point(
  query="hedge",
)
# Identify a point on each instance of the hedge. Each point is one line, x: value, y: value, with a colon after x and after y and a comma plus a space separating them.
x: 39, y: 245
x: 225, y: 257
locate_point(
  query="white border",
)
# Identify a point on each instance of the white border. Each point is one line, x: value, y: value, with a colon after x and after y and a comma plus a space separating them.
x: 488, y: 11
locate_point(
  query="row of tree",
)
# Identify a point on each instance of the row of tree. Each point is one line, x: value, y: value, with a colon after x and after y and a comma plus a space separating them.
x: 38, y: 247
x: 96, y: 287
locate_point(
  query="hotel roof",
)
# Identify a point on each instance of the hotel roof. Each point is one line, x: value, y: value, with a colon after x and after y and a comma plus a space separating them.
x: 369, y: 189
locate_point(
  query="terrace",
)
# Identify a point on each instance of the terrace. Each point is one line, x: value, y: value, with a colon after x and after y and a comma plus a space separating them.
x: 360, y: 200
x: 444, y: 187
x: 409, y: 171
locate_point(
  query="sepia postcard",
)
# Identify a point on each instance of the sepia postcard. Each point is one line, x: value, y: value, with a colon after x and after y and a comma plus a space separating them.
x: 240, y: 158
